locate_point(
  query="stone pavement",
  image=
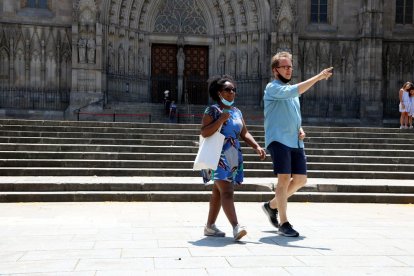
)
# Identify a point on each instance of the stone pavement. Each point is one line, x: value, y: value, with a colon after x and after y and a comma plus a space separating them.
x: 165, y: 238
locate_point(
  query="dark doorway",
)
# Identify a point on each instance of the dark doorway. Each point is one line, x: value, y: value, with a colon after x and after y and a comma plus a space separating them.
x: 164, y: 73
x: 196, y: 74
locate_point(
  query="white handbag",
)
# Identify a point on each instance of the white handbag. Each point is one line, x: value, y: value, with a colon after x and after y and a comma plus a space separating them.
x: 209, y: 151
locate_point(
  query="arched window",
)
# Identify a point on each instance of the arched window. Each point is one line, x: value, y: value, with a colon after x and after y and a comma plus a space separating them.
x: 38, y: 4
x: 404, y: 12
x: 319, y: 11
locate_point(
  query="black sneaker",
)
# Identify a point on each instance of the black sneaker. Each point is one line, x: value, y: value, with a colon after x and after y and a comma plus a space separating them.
x: 271, y: 214
x: 286, y: 230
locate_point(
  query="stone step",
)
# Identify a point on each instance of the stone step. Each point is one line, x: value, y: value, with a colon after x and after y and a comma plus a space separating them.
x: 181, y: 172
x: 110, y: 156
x: 44, y: 184
x: 35, y: 137
x: 166, y: 164
x: 188, y: 148
x: 197, y: 196
x: 152, y: 140
x: 371, y: 132
x: 53, y: 130
x: 95, y: 124
x: 29, y: 189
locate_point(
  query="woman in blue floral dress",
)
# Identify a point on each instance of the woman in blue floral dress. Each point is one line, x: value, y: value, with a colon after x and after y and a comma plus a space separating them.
x: 229, y: 170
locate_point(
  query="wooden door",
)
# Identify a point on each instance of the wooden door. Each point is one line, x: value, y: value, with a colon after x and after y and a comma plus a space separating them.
x: 163, y: 71
x: 196, y: 74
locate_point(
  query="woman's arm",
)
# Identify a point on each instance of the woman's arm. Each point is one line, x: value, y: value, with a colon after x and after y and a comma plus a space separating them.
x: 401, y: 98
x: 248, y: 138
x: 209, y: 126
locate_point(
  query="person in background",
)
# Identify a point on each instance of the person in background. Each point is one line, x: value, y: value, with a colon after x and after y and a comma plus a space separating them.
x: 167, y: 102
x: 173, y: 112
x: 284, y: 137
x: 229, y: 171
x: 404, y: 104
x: 411, y: 112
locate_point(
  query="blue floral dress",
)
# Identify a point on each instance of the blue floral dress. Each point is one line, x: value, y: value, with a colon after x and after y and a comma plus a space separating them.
x: 230, y: 166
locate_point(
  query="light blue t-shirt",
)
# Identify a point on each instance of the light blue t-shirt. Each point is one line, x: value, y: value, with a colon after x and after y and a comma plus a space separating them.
x: 282, y: 114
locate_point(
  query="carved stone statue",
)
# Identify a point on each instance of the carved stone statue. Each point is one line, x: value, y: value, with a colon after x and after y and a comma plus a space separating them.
x: 121, y: 59
x: 91, y: 50
x: 82, y: 50
x: 243, y: 63
x: 131, y: 61
x: 111, y: 58
x: 221, y: 65
x: 180, y: 73
x: 141, y: 63
x: 180, y: 61
x: 255, y: 62
x: 232, y: 64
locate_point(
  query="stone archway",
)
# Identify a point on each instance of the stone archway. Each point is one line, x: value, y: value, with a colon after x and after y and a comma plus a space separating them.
x: 216, y: 27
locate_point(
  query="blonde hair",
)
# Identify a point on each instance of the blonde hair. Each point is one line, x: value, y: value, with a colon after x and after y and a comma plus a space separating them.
x: 275, y: 59
x: 407, y: 86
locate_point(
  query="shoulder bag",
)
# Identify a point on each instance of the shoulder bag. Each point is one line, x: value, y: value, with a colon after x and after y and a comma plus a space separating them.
x: 209, y: 151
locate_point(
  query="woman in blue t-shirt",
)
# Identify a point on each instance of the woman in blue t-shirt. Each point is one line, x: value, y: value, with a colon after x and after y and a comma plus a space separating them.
x: 229, y: 171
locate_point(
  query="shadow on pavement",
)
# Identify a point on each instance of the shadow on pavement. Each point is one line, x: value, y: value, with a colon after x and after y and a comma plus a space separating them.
x: 219, y: 242
x: 287, y: 241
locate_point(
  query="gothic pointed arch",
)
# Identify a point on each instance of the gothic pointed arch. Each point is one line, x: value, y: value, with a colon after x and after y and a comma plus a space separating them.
x: 178, y: 16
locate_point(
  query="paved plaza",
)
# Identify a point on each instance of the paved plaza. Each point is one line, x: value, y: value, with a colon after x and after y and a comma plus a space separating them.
x: 166, y: 238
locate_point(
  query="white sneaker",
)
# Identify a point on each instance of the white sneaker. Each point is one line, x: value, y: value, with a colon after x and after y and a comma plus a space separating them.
x: 239, y: 232
x: 213, y: 231
x: 411, y: 127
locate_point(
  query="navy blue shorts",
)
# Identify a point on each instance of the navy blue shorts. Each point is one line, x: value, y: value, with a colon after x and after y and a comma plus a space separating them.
x: 287, y: 160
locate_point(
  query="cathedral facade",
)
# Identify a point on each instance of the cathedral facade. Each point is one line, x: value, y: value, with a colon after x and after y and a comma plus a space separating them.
x: 67, y: 55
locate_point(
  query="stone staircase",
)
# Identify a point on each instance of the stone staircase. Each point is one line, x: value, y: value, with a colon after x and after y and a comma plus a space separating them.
x: 155, y: 113
x: 97, y: 161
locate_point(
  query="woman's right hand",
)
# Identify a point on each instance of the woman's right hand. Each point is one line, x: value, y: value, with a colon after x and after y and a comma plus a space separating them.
x: 224, y: 117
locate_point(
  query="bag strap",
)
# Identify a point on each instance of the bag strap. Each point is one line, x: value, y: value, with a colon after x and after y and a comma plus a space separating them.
x: 219, y: 111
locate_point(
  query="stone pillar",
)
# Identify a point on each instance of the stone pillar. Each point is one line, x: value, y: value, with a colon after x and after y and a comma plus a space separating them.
x: 87, y: 91
x: 370, y: 62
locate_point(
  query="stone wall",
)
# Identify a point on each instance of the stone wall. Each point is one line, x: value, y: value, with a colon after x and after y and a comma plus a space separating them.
x: 95, y: 46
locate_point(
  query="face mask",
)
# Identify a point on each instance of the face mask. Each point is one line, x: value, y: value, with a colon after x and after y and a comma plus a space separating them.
x: 226, y: 102
x: 281, y: 78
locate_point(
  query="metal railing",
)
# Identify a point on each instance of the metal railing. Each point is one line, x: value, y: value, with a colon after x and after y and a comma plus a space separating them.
x: 114, y: 117
x: 34, y: 98
x: 335, y: 107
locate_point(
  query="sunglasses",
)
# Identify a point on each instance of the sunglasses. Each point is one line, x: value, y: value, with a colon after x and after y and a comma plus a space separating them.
x: 229, y: 89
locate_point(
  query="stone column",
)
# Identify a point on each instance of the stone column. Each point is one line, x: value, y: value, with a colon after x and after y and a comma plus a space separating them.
x: 87, y: 93
x: 370, y: 62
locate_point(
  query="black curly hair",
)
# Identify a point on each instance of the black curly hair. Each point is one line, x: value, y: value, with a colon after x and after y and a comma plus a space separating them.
x: 216, y: 84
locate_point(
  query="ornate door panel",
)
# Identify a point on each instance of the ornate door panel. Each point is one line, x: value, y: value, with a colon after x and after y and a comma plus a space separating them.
x: 196, y: 74
x: 163, y: 71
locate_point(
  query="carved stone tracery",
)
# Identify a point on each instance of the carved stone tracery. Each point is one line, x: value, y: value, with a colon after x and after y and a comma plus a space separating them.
x: 180, y: 16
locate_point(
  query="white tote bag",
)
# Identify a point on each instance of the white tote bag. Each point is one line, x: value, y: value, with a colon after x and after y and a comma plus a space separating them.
x: 209, y: 151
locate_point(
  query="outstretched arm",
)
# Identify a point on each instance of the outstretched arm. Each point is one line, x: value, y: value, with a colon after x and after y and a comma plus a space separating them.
x: 305, y: 85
